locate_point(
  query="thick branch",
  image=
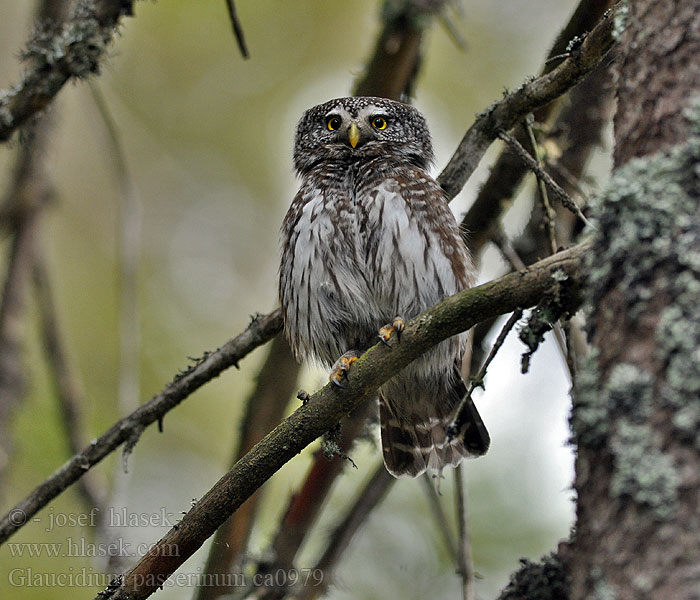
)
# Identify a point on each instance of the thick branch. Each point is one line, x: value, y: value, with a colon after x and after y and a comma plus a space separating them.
x: 505, y: 113
x: 327, y: 406
x: 260, y: 331
x: 75, y: 51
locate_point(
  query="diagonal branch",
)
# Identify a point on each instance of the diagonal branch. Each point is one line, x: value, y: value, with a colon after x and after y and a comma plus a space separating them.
x: 73, y: 52
x: 505, y: 113
x: 508, y: 171
x: 329, y: 405
x: 260, y: 331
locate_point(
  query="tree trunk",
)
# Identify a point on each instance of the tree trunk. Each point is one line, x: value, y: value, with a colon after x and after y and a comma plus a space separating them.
x: 636, y: 412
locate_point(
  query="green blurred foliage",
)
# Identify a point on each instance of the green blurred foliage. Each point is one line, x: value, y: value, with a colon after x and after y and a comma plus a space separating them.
x: 207, y: 138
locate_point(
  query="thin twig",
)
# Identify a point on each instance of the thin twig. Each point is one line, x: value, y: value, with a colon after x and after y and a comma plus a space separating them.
x: 261, y: 330
x: 535, y: 165
x: 128, y: 251
x: 465, y: 561
x: 548, y: 214
x: 465, y: 406
x: 440, y: 516
x: 237, y: 28
x: 130, y: 219
x: 329, y: 405
x: 68, y: 389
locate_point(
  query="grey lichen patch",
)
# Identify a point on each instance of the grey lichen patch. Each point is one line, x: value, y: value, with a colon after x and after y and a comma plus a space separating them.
x: 642, y: 471
x: 76, y: 48
x: 590, y: 412
x: 602, y: 590
x: 628, y: 391
x: 647, y: 250
x: 620, y: 20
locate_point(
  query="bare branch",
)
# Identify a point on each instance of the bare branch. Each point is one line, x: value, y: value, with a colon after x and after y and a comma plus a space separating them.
x: 237, y: 28
x: 440, y: 516
x: 505, y: 176
x: 74, y: 52
x: 260, y: 331
x: 505, y: 113
x: 394, y: 64
x: 329, y: 405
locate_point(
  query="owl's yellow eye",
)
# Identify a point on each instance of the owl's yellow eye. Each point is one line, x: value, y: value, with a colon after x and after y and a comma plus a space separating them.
x: 379, y: 123
x: 333, y: 123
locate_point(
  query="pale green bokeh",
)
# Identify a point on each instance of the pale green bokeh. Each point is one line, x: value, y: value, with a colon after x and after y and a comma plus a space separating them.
x: 208, y: 138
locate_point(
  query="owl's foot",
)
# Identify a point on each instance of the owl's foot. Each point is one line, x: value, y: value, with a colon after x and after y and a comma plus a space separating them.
x: 396, y: 326
x: 339, y: 371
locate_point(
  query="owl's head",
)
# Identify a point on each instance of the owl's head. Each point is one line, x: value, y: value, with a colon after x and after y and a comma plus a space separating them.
x: 360, y: 128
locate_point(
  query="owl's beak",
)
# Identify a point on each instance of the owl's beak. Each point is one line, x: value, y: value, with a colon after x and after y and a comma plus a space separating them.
x: 353, y: 134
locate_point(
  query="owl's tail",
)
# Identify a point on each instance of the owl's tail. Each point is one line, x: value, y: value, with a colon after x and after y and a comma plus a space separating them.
x: 414, y: 438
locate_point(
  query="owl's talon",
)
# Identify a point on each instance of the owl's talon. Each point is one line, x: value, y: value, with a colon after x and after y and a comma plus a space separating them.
x: 396, y: 326
x: 339, y: 371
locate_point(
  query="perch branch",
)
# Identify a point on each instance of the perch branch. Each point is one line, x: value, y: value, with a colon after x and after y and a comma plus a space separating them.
x: 260, y: 331
x: 305, y: 506
x: 264, y: 409
x: 329, y: 405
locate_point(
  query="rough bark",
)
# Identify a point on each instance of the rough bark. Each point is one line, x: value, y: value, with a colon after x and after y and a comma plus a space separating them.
x: 637, y: 407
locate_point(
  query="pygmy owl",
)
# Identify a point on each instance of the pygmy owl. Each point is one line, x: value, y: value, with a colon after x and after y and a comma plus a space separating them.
x: 369, y: 240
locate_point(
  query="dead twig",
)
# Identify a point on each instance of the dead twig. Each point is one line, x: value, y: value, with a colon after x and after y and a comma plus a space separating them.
x: 237, y: 28
x: 462, y: 413
x: 535, y: 165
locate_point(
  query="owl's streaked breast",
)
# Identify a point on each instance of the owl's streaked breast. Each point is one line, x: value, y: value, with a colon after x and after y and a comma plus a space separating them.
x: 363, y: 254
